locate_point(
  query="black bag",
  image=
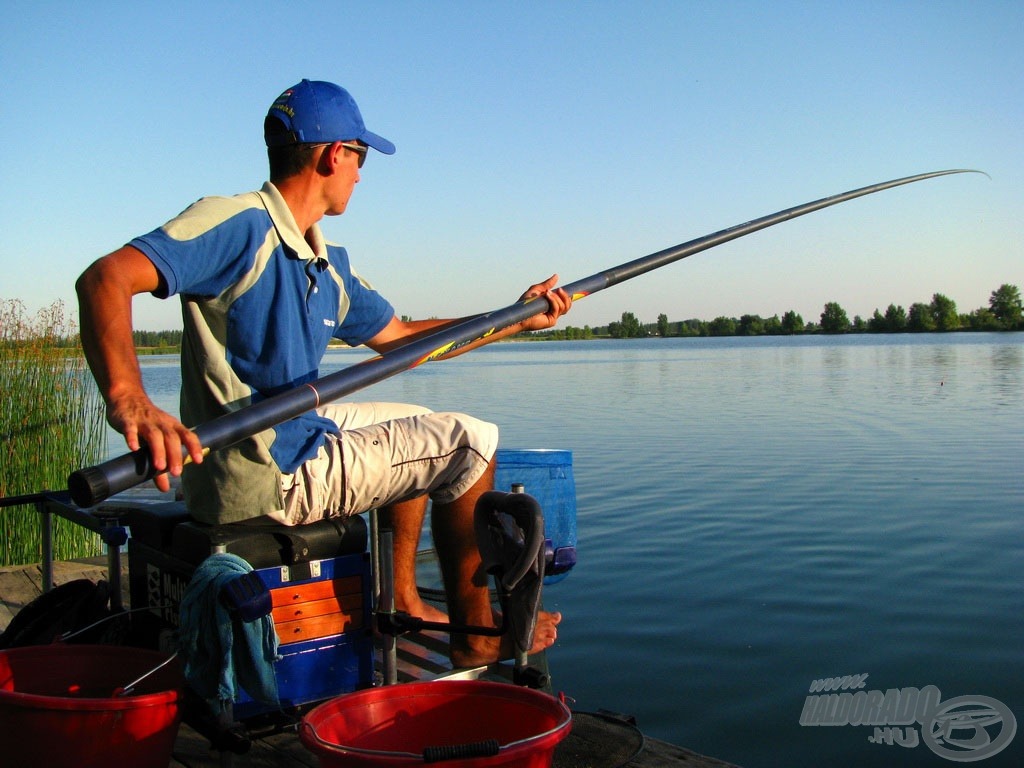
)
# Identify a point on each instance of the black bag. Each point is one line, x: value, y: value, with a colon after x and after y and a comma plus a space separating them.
x: 68, y: 608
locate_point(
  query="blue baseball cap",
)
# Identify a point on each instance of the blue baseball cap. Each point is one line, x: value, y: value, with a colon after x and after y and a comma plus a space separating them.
x: 315, y: 111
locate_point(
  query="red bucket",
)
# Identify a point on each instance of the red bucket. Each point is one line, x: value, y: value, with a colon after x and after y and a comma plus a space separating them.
x: 466, y: 723
x: 57, y: 707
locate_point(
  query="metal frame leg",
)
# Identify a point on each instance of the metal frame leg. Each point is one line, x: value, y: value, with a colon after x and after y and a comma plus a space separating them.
x: 114, y: 536
x: 46, y: 532
x: 383, y: 567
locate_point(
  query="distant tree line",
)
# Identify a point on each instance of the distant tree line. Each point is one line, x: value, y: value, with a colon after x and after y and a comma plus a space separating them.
x: 144, y: 340
x: 1003, y: 313
x: 158, y: 339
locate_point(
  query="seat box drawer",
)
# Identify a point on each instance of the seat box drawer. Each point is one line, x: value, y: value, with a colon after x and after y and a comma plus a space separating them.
x: 321, y: 612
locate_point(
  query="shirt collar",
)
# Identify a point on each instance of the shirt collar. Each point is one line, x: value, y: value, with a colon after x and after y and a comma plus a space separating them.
x: 286, y: 227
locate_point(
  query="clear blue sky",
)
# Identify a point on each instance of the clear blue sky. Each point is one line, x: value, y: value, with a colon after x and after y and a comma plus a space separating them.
x: 541, y: 137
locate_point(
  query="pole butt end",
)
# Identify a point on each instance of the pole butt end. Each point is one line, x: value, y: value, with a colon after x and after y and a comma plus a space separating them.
x: 88, y: 486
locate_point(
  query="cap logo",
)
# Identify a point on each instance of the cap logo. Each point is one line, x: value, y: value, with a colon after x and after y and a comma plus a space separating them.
x: 282, y: 103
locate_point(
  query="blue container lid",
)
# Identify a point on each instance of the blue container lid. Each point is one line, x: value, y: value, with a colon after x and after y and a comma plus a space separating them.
x: 533, y: 457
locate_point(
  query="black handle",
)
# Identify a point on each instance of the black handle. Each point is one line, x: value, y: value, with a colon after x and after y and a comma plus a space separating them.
x: 488, y: 748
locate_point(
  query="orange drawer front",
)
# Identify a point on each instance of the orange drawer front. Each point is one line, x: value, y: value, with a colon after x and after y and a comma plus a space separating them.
x: 316, y: 590
x: 317, y: 609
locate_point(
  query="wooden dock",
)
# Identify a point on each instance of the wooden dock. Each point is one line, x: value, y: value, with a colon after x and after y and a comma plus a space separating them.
x: 587, y: 746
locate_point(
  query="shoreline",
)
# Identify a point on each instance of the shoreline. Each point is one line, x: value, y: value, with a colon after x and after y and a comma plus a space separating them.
x: 176, y: 350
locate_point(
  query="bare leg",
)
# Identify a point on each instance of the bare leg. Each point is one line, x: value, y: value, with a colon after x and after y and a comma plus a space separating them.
x: 466, y: 583
x: 405, y: 518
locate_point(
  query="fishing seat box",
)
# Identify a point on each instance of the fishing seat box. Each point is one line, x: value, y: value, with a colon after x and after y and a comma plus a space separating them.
x: 318, y: 576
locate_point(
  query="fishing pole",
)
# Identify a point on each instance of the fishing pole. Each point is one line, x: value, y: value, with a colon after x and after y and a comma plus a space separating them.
x: 91, y: 485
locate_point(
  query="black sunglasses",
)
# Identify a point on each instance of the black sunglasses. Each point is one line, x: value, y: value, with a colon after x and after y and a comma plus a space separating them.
x: 361, y: 149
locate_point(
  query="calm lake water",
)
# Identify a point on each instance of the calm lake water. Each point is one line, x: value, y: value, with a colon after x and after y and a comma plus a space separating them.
x: 758, y: 514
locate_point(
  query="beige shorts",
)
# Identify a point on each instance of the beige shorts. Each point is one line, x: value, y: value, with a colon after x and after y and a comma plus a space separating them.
x: 385, y: 453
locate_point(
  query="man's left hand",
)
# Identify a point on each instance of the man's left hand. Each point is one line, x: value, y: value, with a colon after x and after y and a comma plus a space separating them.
x: 559, y: 302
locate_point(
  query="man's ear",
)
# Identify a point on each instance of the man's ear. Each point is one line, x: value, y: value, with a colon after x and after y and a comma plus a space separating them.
x: 326, y: 163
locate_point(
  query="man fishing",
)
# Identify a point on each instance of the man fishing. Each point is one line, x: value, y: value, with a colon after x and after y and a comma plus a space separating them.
x: 262, y: 294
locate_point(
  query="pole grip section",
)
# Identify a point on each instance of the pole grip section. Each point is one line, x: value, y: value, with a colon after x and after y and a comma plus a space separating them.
x: 91, y: 485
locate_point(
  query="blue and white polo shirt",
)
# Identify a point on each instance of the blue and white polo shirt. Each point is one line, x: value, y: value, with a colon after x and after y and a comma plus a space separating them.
x: 259, y: 306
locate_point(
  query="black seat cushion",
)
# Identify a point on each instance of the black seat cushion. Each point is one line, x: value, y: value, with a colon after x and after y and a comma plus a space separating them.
x: 265, y: 545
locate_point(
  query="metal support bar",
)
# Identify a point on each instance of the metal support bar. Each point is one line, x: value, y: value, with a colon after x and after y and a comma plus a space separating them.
x: 114, y: 536
x: 107, y: 524
x: 386, y: 602
x: 374, y: 556
x: 46, y: 528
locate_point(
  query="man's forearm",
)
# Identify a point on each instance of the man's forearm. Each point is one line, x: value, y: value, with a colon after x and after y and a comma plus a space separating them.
x: 106, y: 328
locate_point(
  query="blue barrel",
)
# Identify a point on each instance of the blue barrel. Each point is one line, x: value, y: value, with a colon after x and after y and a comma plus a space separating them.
x: 547, y: 476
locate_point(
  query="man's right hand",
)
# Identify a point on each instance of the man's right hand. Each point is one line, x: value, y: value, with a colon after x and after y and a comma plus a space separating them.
x: 142, y: 423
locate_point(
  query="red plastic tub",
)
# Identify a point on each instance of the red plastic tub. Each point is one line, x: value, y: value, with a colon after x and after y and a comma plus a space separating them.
x: 466, y: 723
x: 57, y: 707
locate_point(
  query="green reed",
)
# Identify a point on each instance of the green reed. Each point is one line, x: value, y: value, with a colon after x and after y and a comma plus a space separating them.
x: 51, y: 423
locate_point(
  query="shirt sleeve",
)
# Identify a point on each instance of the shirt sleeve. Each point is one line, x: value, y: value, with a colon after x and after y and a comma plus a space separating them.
x: 367, y: 312
x: 207, y: 248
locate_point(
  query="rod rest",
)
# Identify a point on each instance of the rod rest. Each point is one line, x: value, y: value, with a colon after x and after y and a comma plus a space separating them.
x: 399, y: 622
x: 509, y: 528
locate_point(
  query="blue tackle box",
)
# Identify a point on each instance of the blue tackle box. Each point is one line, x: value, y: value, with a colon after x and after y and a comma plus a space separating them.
x: 320, y: 587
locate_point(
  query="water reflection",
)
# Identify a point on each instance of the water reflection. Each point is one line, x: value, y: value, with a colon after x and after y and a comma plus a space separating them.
x: 769, y: 510
x: 1007, y: 362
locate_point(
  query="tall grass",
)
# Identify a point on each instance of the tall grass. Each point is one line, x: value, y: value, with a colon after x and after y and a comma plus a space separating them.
x: 51, y: 423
